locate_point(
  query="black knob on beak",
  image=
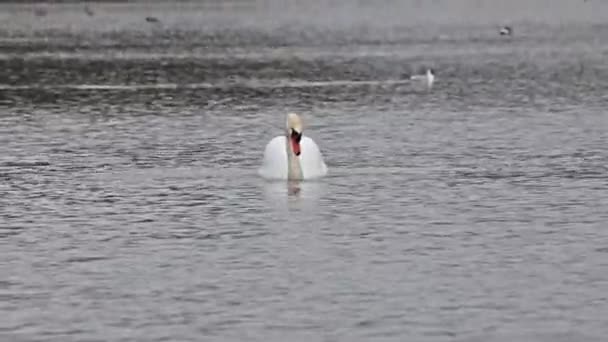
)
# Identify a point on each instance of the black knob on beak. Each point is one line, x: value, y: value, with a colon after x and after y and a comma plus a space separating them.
x: 296, y: 136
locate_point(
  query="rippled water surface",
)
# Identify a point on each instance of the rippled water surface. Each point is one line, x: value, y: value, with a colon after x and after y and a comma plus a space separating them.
x: 131, y: 210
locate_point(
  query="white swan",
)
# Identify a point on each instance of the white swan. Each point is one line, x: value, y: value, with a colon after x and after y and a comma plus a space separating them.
x: 428, y: 78
x: 293, y: 156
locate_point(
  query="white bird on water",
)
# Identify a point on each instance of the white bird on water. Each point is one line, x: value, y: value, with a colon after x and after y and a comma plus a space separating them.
x: 292, y: 156
x: 506, y: 31
x: 428, y: 78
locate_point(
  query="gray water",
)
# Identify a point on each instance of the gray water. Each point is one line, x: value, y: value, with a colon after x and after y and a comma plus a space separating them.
x: 131, y: 210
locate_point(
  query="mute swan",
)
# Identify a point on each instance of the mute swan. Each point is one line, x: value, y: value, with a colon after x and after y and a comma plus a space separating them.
x: 293, y: 156
x: 428, y: 78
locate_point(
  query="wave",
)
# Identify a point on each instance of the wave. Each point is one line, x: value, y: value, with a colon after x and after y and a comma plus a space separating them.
x: 245, y: 84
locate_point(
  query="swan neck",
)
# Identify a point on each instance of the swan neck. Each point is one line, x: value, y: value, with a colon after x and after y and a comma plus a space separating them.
x: 294, y: 169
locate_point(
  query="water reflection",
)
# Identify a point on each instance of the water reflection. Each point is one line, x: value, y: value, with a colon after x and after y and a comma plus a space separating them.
x: 293, y: 189
x: 294, y: 193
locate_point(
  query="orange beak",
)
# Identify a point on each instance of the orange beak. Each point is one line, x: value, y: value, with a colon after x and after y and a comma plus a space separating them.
x: 295, y: 142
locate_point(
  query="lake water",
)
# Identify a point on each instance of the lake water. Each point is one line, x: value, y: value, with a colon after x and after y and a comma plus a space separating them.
x: 131, y: 210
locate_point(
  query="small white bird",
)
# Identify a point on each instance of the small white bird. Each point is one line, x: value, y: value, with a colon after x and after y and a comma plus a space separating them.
x: 292, y: 156
x: 506, y: 31
x: 428, y: 78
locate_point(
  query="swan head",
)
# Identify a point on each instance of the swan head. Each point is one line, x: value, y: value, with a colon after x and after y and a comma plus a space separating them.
x: 294, y: 132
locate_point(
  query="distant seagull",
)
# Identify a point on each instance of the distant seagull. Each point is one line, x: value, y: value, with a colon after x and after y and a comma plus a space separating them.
x: 428, y: 78
x: 88, y: 11
x: 506, y: 31
x: 152, y: 19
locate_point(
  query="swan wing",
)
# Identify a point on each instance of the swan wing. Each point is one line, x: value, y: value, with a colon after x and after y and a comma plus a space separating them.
x: 311, y: 159
x: 274, y: 164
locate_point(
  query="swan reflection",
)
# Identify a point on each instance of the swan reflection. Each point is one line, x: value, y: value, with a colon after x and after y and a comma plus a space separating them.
x: 281, y: 193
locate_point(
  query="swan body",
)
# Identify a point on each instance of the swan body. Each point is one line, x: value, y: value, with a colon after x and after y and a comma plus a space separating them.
x: 286, y: 158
